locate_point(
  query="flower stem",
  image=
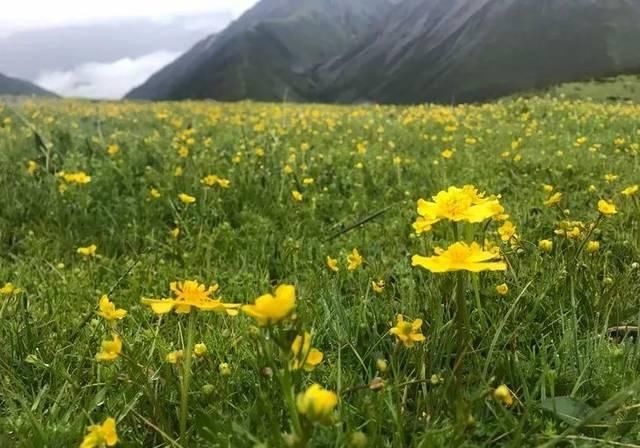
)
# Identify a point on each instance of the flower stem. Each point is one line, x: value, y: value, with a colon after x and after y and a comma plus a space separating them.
x: 475, y: 282
x: 462, y: 321
x: 287, y: 390
x: 186, y: 378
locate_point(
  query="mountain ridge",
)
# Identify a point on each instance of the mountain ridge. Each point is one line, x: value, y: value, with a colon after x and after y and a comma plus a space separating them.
x: 409, y: 51
x: 15, y: 86
x: 263, y: 54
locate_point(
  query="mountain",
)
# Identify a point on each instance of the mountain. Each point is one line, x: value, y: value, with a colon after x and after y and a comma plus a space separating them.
x: 474, y: 50
x: 14, y: 86
x: 407, y: 51
x: 265, y: 54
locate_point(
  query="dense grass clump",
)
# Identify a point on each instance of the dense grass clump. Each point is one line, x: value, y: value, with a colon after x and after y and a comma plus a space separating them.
x: 122, y: 199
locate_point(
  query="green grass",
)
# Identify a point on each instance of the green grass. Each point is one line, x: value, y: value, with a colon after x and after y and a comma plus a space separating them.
x: 546, y: 338
x: 615, y: 89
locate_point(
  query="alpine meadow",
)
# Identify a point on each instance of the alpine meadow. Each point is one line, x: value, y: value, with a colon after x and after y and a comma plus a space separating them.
x: 264, y: 275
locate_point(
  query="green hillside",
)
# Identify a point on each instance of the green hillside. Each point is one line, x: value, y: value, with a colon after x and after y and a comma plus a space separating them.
x: 620, y: 88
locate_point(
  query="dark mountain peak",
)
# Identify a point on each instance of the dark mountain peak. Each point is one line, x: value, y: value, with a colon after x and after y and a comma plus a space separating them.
x: 14, y: 86
x: 405, y: 51
x: 262, y: 54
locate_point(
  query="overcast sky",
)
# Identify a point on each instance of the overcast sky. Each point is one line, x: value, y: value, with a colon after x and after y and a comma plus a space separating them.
x: 30, y: 14
x: 103, y: 68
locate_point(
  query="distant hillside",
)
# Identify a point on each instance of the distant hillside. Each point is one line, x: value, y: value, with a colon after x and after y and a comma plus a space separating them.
x: 406, y: 51
x: 13, y: 86
x: 264, y: 54
x: 619, y: 88
x: 473, y: 50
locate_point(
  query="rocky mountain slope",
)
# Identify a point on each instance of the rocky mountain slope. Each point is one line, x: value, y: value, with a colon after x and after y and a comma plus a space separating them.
x: 265, y: 54
x: 407, y: 51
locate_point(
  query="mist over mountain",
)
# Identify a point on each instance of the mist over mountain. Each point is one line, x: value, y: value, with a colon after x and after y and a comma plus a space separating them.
x: 103, y: 59
x: 404, y: 52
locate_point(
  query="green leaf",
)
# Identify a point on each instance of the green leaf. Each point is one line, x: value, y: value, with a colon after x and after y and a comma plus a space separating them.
x: 567, y: 409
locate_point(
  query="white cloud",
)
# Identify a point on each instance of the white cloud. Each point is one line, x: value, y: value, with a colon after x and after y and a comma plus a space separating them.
x: 31, y: 14
x: 105, y: 81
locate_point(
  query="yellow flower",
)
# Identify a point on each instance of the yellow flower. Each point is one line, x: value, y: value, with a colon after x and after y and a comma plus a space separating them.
x: 545, y: 245
x: 32, y: 167
x: 297, y: 196
x: 191, y: 295
x: 270, y: 309
x: 154, y: 193
x: 178, y: 171
x: 212, y: 180
x: 9, y: 289
x: 461, y: 257
x: 174, y: 357
x: 332, y: 264
x: 507, y: 231
x: 553, y: 200
x: 460, y: 204
x: 378, y: 286
x: 110, y: 350
x: 502, y: 289
x: 592, y: 189
x: 112, y: 150
x: 186, y: 199
x: 101, y: 435
x: 611, y: 177
x: 224, y: 369
x: 423, y: 225
x: 607, y: 208
x: 259, y: 152
x: 303, y: 355
x: 630, y: 191
x: 317, y: 404
x: 447, y: 153
x: 503, y: 395
x: 175, y: 233
x: 571, y: 229
x: 547, y: 188
x: 287, y: 169
x: 354, y: 260
x: 76, y: 178
x: 407, y: 332
x: 199, y: 350
x: 308, y: 181
x: 108, y: 310
x: 593, y: 246
x: 183, y: 152
x: 382, y: 365
x: 89, y: 251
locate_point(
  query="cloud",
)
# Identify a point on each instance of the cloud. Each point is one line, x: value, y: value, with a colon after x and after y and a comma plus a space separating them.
x: 105, y: 80
x: 38, y: 14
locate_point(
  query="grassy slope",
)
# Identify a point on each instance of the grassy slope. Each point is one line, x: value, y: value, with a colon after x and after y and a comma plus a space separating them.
x: 621, y: 88
x: 545, y: 338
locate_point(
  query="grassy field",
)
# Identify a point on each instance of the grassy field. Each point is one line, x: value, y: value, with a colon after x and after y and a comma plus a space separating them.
x: 316, y: 211
x: 616, y: 89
